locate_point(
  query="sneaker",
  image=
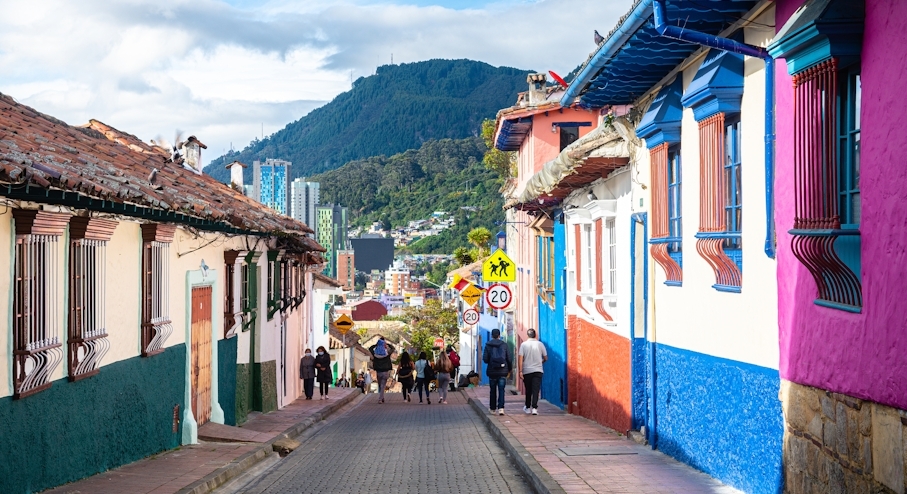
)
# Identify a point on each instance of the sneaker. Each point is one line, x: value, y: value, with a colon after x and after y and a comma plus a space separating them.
x: 325, y: 397
x: 527, y: 410
x: 500, y: 411
x: 409, y: 398
x: 535, y: 411
x: 429, y: 401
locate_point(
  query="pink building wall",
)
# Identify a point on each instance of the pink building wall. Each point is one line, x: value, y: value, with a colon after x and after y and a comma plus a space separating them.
x: 861, y: 355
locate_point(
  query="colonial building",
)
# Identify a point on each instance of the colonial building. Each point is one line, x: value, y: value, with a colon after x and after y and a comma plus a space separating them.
x: 144, y: 299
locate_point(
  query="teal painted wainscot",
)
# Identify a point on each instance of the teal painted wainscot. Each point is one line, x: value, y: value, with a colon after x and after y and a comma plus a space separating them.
x: 77, y: 429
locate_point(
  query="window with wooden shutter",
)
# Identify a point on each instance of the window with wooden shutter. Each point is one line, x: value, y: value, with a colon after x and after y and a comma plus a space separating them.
x: 156, y: 324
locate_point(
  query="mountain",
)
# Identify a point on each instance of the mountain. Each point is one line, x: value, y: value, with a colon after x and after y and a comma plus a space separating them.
x: 442, y: 175
x: 399, y: 108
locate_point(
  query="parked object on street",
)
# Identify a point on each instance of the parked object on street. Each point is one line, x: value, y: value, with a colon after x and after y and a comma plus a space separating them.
x: 530, y: 361
x: 497, y: 356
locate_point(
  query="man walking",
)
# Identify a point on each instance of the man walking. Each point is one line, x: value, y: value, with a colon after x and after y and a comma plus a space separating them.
x: 529, y: 362
x: 497, y: 356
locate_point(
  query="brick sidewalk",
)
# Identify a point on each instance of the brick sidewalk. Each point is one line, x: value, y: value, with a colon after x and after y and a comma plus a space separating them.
x: 171, y: 471
x: 575, y: 455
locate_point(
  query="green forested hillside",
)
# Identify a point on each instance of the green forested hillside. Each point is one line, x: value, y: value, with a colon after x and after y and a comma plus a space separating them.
x: 442, y: 175
x: 399, y: 108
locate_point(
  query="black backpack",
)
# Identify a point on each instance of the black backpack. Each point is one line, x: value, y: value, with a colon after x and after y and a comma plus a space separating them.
x: 498, y: 357
x: 428, y: 372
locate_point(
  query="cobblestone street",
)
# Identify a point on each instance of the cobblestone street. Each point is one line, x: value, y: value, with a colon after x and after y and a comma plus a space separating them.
x: 397, y: 447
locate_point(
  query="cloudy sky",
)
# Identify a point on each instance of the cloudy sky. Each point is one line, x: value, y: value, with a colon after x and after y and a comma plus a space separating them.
x: 225, y: 69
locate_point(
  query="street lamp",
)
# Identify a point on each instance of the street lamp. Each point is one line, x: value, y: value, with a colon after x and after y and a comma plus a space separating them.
x: 443, y: 289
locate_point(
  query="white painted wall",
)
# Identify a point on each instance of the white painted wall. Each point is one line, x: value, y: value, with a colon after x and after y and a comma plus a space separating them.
x: 738, y: 326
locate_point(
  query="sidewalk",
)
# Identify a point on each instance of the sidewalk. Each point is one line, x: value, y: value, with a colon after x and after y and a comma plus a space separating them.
x: 200, y: 467
x: 564, y: 453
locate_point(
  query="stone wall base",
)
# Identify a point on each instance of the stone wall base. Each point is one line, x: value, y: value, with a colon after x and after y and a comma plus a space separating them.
x: 837, y: 443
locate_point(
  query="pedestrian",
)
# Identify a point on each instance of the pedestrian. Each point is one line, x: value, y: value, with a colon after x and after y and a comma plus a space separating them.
x: 323, y: 366
x: 368, y: 381
x: 529, y: 362
x: 421, y: 382
x: 406, y: 376
x: 307, y: 373
x: 443, y: 367
x: 497, y: 356
x: 360, y: 382
x: 381, y: 360
x: 455, y: 362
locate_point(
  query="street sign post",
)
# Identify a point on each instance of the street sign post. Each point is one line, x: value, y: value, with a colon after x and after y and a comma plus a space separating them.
x: 471, y: 295
x: 343, y: 323
x: 498, y: 296
x: 498, y: 267
x: 471, y: 317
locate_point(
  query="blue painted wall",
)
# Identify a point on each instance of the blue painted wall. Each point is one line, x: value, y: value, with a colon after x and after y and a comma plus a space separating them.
x: 720, y: 416
x: 76, y: 429
x: 640, y: 382
x: 551, y: 325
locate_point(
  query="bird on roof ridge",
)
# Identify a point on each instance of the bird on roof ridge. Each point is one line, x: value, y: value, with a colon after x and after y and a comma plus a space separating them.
x: 598, y: 38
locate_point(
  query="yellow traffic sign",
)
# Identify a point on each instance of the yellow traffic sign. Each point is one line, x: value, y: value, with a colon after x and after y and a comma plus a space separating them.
x: 471, y: 294
x: 343, y: 323
x: 498, y: 267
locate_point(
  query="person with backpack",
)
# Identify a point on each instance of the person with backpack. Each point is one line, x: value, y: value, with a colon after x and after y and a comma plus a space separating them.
x: 497, y: 355
x: 443, y: 367
x: 424, y: 375
x: 381, y: 361
x: 455, y: 362
x: 529, y: 363
x: 406, y: 374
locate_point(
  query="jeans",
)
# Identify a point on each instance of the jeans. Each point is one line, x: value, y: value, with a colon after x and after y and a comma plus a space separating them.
x: 422, y: 383
x: 496, y: 384
x: 533, y: 384
x: 443, y: 382
x: 382, y: 382
x: 308, y: 385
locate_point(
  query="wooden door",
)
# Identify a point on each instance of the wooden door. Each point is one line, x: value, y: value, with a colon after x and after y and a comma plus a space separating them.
x: 201, y: 354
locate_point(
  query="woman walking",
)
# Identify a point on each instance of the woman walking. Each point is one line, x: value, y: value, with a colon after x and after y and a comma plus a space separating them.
x: 406, y: 374
x: 443, y: 368
x: 307, y: 373
x: 421, y: 381
x: 381, y: 360
x: 323, y: 366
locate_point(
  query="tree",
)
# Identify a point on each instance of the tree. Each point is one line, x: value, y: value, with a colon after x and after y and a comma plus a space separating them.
x: 430, y: 321
x: 500, y: 162
x: 463, y: 256
x: 480, y: 238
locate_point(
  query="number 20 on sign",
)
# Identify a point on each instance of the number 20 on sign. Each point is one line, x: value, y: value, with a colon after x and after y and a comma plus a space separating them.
x: 498, y: 296
x: 471, y: 317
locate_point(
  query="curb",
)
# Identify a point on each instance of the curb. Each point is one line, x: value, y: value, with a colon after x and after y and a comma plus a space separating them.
x: 539, y: 478
x: 232, y: 470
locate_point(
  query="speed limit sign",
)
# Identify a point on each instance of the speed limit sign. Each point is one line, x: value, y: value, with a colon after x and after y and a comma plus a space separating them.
x: 498, y: 296
x: 471, y: 317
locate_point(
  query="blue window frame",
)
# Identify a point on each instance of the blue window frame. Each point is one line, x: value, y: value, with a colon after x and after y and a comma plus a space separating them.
x: 675, y: 209
x: 849, y: 103
x: 733, y: 206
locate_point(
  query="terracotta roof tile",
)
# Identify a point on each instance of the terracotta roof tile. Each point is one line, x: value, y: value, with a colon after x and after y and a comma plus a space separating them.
x: 101, y: 162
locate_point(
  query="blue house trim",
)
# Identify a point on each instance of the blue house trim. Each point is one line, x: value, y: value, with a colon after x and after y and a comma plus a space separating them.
x: 818, y: 31
x: 717, y: 87
x: 661, y: 123
x: 552, y: 332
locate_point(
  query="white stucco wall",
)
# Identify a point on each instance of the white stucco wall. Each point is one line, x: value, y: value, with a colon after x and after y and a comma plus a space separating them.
x: 738, y: 326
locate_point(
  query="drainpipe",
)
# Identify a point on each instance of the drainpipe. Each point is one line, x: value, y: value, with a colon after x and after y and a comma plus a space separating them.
x: 711, y: 41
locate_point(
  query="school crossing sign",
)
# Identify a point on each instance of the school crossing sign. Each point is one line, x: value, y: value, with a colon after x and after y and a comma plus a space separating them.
x: 498, y: 268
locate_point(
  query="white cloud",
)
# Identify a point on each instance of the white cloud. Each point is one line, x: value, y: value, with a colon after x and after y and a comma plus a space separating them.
x: 221, y: 71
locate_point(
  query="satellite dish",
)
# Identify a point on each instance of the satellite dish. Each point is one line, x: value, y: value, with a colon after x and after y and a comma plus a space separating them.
x: 560, y: 80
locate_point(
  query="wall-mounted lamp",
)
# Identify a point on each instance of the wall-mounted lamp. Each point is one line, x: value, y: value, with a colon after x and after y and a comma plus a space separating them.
x: 204, y: 268
x: 591, y: 196
x: 553, y: 128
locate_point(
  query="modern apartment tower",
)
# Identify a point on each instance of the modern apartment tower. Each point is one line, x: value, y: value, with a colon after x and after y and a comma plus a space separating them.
x: 271, y: 184
x: 331, y: 233
x: 304, y: 201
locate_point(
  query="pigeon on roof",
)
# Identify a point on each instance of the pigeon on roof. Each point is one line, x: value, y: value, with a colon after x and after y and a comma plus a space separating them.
x: 598, y: 38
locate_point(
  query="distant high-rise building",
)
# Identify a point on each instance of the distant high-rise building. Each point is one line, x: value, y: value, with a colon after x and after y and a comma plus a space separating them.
x: 373, y: 253
x: 271, y: 184
x: 331, y: 232
x: 346, y: 269
x: 303, y: 201
x: 396, y: 279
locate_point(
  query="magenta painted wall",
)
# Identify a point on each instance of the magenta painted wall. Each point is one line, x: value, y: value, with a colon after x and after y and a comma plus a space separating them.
x: 862, y: 355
